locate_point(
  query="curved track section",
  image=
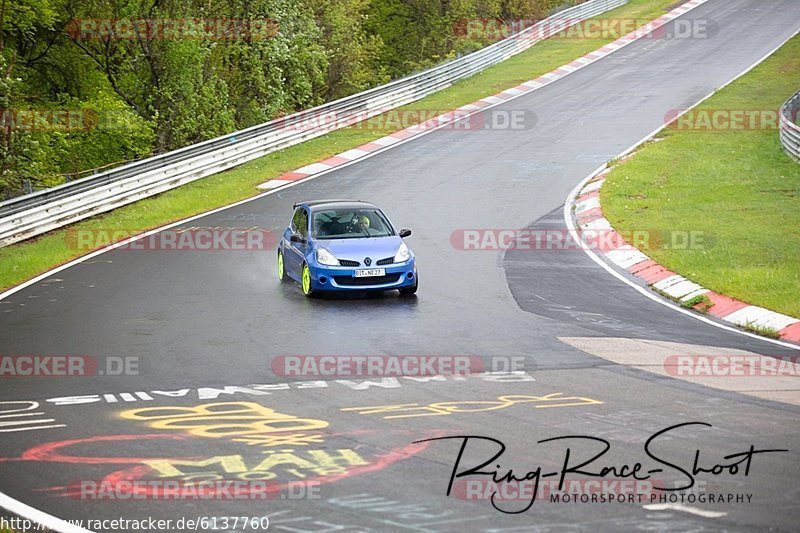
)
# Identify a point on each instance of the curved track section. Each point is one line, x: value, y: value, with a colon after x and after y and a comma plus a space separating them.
x: 200, y: 321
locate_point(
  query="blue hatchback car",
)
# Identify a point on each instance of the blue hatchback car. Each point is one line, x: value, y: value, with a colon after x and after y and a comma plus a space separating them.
x: 345, y: 245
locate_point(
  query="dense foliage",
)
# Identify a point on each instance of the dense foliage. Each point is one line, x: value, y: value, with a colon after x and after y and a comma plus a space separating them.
x: 86, y: 84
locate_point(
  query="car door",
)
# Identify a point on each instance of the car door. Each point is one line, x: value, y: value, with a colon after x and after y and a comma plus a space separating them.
x: 296, y: 251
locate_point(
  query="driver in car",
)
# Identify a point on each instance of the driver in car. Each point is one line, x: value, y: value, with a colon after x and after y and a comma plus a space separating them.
x: 361, y: 224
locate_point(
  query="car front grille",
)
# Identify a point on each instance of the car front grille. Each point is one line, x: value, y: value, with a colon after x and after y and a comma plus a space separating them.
x: 348, y: 263
x: 386, y: 261
x: 374, y: 280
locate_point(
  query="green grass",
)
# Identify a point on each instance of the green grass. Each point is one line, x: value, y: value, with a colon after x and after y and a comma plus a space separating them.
x: 737, y: 187
x: 701, y: 303
x: 764, y: 331
x: 22, y: 261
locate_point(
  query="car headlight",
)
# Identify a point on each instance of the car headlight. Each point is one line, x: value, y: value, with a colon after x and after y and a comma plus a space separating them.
x: 403, y: 254
x: 324, y: 257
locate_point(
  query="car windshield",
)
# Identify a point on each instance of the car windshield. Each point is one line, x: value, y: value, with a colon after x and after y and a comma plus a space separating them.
x: 349, y: 224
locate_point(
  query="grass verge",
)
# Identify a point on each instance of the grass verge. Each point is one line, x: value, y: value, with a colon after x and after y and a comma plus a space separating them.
x: 735, y: 186
x: 25, y: 260
x: 764, y: 331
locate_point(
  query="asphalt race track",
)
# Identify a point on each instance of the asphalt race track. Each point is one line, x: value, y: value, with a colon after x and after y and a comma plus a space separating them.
x: 201, y: 321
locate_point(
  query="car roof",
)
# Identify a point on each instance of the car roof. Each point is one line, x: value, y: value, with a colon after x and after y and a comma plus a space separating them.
x: 315, y: 205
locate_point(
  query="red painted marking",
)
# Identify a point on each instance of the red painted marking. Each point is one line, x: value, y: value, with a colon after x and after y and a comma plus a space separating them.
x: 523, y: 88
x: 588, y: 218
x: 383, y: 461
x: 791, y: 333
x: 654, y: 274
x: 584, y: 221
x: 638, y: 267
x: 370, y: 147
x: 595, y: 213
x: 723, y: 305
x: 51, y: 451
x: 335, y: 161
x: 576, y: 64
x: 48, y: 452
x: 593, y: 194
x: 291, y: 176
x: 614, y: 240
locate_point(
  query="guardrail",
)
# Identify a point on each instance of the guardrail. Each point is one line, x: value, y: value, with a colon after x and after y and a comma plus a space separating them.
x: 790, y: 129
x: 33, y: 214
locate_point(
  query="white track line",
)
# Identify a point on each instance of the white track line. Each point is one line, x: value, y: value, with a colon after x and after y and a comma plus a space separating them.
x: 646, y: 291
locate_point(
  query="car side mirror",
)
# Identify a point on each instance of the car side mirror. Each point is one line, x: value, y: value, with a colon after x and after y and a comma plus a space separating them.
x: 297, y: 238
x: 405, y: 233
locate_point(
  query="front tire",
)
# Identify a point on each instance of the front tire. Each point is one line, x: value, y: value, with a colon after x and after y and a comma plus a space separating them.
x: 305, y: 282
x: 282, y: 269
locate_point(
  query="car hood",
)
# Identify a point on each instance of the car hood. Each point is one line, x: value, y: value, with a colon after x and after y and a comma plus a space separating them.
x: 357, y: 249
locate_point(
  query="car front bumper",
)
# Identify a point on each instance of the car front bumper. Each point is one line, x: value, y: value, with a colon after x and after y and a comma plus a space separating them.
x: 338, y: 278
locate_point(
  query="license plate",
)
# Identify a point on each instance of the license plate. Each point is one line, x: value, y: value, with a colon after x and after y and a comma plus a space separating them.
x: 370, y: 273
